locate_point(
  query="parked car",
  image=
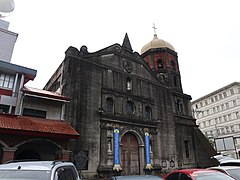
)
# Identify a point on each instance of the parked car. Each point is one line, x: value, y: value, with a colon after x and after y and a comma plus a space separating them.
x: 226, y: 161
x: 136, y: 177
x: 197, y: 174
x: 233, y: 171
x: 38, y: 170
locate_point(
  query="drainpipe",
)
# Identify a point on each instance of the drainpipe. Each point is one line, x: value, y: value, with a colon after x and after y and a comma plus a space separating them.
x: 14, y: 92
x: 20, y: 97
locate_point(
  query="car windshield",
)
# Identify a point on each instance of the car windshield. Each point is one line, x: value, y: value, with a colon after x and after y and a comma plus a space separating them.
x: 235, y: 173
x: 24, y: 175
x: 213, y: 175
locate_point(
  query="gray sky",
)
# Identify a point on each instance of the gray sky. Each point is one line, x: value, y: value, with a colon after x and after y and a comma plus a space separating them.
x: 204, y: 33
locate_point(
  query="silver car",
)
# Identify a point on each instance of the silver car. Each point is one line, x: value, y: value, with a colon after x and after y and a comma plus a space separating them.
x: 233, y: 171
x: 38, y: 170
x: 226, y: 161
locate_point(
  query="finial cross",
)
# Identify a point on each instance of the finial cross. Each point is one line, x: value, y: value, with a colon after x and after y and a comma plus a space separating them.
x: 154, y: 28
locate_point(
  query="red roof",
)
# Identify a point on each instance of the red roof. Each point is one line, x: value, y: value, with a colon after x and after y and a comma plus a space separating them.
x: 44, y: 93
x: 14, y: 124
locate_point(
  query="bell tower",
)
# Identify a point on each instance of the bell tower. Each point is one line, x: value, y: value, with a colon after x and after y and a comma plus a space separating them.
x: 162, y: 58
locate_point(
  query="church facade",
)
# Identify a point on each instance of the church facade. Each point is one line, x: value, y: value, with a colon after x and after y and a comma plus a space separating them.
x: 130, y: 110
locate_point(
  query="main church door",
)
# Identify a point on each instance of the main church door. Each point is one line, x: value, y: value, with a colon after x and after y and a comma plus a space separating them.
x: 129, y: 155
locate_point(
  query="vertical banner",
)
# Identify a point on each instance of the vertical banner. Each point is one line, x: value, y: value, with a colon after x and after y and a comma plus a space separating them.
x: 116, y: 150
x: 147, y: 150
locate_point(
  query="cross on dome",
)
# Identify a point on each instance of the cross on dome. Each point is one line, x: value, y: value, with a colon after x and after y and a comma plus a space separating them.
x: 154, y: 28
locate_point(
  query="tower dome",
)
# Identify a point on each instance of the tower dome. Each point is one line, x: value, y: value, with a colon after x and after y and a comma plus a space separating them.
x: 156, y: 43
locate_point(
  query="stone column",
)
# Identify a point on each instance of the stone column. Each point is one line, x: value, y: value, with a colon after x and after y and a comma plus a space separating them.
x: 142, y: 158
x: 8, y: 154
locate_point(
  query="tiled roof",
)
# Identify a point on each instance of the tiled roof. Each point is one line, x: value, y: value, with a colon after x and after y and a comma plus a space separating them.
x: 14, y: 124
x: 44, y: 93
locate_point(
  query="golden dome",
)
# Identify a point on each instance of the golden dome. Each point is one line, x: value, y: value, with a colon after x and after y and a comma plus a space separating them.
x: 156, y: 43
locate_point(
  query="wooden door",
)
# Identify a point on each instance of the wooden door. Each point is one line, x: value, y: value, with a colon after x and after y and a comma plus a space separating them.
x: 129, y: 155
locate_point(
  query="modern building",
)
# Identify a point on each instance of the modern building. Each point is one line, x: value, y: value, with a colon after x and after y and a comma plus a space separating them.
x: 130, y: 110
x: 7, y: 42
x: 218, y: 117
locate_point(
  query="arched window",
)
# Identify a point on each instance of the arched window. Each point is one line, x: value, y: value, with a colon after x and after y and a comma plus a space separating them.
x: 129, y: 84
x: 109, y: 105
x: 148, y: 112
x: 160, y: 63
x: 130, y: 107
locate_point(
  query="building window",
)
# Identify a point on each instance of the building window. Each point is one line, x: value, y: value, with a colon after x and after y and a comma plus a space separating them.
x: 231, y: 91
x: 4, y: 108
x: 222, y: 106
x: 206, y: 102
x: 130, y: 107
x: 222, y: 131
x: 216, y: 98
x: 129, y: 84
x: 109, y: 105
x: 234, y: 103
x: 148, y: 112
x: 6, y: 81
x: 160, y: 63
x: 229, y: 117
x: 214, y: 109
x: 237, y: 114
x: 227, y: 105
x: 212, y: 100
x: 187, y: 151
x: 207, y: 123
x: 224, y: 94
x: 208, y: 112
x: 34, y: 113
x: 224, y: 119
x: 228, y: 129
x: 220, y: 96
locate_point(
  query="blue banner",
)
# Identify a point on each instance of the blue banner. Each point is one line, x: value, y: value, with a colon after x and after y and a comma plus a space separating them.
x: 147, y: 150
x: 116, y: 150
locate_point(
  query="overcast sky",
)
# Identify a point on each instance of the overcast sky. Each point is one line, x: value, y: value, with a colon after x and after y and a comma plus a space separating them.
x: 204, y: 33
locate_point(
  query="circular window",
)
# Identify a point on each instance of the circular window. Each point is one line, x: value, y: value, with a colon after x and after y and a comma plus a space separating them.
x: 130, y: 107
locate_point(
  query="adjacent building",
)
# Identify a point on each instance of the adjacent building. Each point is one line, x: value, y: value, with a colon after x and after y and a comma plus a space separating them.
x: 218, y: 117
x: 31, y: 120
x: 130, y: 110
